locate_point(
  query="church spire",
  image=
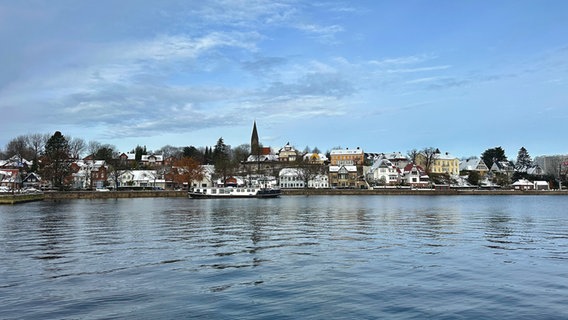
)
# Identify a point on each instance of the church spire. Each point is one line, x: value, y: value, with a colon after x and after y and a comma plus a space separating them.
x: 254, y: 144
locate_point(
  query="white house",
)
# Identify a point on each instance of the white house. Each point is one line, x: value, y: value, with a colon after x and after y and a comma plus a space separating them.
x: 523, y: 184
x: 207, y: 181
x: 140, y: 179
x: 384, y: 172
x: 415, y: 176
x: 541, y: 185
x: 290, y: 178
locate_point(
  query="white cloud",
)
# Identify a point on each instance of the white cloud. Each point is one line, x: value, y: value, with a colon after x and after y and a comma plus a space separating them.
x: 325, y: 34
x: 420, y: 69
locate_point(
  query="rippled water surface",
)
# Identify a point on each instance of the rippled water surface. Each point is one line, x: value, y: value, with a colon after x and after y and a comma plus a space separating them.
x: 318, y: 257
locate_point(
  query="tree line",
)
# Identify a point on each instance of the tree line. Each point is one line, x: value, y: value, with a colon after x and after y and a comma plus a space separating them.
x: 56, y: 150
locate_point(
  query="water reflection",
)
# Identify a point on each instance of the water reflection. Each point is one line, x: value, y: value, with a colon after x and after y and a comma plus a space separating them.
x: 55, y: 239
x: 302, y: 257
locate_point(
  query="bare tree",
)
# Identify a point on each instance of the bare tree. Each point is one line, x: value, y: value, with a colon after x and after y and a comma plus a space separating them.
x: 308, y: 171
x: 170, y: 151
x: 93, y: 146
x: 429, y: 156
x: 19, y: 147
x: 239, y: 156
x: 116, y: 169
x: 36, y: 142
x: 76, y: 147
x: 412, y: 155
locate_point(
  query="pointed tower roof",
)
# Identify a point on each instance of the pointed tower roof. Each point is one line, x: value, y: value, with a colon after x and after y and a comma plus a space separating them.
x: 254, y: 143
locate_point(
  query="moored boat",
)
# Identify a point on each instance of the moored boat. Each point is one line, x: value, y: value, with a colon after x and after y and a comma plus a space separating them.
x: 234, y: 192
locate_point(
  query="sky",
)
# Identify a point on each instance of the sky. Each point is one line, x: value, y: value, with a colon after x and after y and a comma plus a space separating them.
x: 385, y: 76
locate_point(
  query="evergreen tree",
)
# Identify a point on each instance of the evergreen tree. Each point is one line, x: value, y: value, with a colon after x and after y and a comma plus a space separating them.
x: 524, y: 160
x: 493, y: 155
x: 139, y: 151
x: 473, y: 178
x: 221, y: 160
x: 193, y: 152
x: 55, y: 165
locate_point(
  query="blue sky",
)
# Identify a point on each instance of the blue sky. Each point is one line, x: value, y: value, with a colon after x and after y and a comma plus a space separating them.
x: 462, y: 76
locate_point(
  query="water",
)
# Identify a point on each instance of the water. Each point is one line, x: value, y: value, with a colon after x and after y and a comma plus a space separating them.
x: 317, y: 257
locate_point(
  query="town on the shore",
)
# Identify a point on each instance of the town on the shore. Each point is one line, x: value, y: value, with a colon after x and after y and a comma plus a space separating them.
x: 35, y: 162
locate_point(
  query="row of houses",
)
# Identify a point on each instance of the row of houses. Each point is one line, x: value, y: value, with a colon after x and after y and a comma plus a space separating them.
x: 344, y: 168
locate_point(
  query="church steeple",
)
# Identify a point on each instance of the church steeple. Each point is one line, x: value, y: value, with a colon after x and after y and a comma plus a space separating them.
x: 254, y: 144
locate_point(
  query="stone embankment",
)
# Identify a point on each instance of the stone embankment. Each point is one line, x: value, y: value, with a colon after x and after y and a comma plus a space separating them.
x: 419, y: 192
x: 68, y: 195
x: 20, y: 198
x: 65, y: 195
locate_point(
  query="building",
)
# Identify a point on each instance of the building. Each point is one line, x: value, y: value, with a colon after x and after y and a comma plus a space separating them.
x: 541, y: 185
x: 254, y: 142
x: 523, y: 184
x: 474, y: 164
x: 88, y: 174
x: 140, y: 179
x: 345, y: 176
x: 32, y: 180
x: 383, y: 172
x: 396, y: 158
x: 287, y: 153
x: 291, y: 178
x: 316, y: 158
x: 441, y: 163
x: 502, y: 167
x: 346, y: 157
x: 415, y: 176
x: 152, y: 160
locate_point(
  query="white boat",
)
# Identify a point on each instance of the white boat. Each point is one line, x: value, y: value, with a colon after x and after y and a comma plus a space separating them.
x: 234, y: 192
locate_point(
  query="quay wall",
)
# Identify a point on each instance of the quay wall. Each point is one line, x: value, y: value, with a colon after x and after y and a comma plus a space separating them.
x: 65, y: 195
x: 20, y: 198
x: 418, y: 192
x: 68, y: 195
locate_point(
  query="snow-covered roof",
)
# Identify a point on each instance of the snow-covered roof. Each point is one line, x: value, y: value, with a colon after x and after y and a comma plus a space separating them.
x: 315, y: 156
x: 337, y: 168
x: 262, y: 158
x: 472, y: 164
x: 141, y: 175
x: 289, y: 172
x: 287, y: 147
x: 382, y: 163
x: 346, y: 151
x: 410, y: 166
x: 522, y: 182
x: 152, y: 157
x: 444, y: 156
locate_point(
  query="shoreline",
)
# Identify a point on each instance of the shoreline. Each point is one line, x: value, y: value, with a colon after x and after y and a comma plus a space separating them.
x: 297, y: 192
x: 70, y: 195
x: 422, y: 192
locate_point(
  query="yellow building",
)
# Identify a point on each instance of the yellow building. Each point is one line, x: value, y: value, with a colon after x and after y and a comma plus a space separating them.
x: 347, y: 157
x: 441, y: 163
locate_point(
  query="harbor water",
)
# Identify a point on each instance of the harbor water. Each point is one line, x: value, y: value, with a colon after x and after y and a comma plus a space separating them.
x: 294, y: 257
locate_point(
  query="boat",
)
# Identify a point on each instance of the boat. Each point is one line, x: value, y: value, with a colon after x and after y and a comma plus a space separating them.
x: 234, y: 192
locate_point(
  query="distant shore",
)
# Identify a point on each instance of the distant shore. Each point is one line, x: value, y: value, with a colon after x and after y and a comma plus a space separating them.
x: 69, y: 195
x: 420, y: 192
x: 296, y: 192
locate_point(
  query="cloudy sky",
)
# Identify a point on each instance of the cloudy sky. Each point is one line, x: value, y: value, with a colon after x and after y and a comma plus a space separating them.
x: 462, y: 76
